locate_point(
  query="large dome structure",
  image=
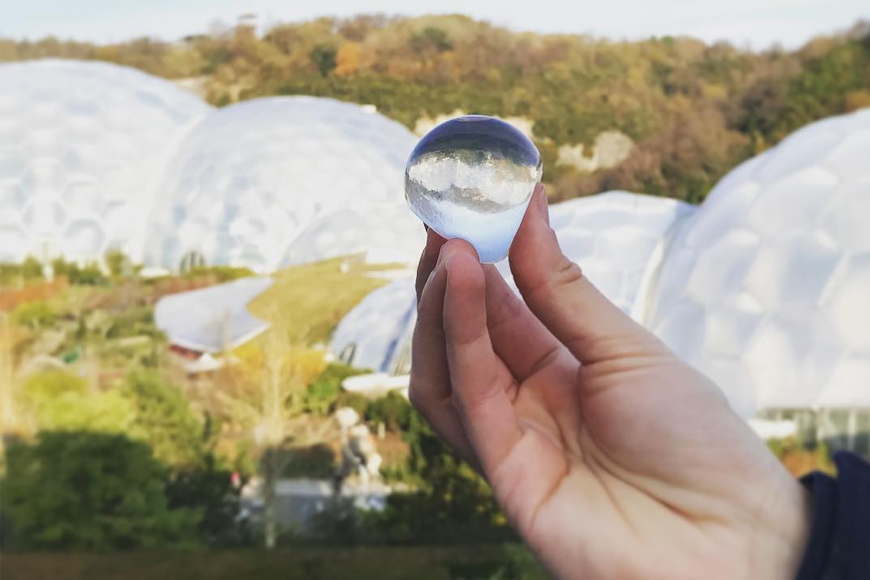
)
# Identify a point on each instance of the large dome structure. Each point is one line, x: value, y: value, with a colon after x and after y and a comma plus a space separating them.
x: 79, y: 144
x: 251, y: 178
x: 767, y: 289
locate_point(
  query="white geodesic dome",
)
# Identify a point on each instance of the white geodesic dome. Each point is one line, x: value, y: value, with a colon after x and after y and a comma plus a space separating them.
x: 767, y: 288
x: 79, y: 142
x: 248, y: 180
x: 385, y: 232
x: 376, y: 334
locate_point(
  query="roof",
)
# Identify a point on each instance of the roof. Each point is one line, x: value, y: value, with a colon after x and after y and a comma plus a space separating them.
x: 212, y: 319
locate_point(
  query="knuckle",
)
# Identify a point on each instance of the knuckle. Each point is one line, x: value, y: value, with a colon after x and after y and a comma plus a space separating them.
x: 566, y: 272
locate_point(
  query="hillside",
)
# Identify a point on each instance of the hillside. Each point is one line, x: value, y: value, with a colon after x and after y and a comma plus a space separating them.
x: 667, y: 116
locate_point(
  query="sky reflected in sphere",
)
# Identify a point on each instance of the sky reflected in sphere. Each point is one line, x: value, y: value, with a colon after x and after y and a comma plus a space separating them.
x: 472, y: 178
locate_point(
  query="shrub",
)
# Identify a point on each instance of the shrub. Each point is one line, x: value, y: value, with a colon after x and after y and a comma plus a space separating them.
x: 34, y: 315
x: 325, y: 389
x: 88, y: 491
x: 163, y: 419
x: 393, y: 410
x: 59, y: 400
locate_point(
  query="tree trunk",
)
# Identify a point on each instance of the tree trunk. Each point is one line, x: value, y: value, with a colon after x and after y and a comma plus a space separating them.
x: 269, y: 477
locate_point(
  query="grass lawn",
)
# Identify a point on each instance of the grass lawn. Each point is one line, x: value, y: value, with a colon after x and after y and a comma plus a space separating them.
x: 302, y: 563
x: 308, y: 301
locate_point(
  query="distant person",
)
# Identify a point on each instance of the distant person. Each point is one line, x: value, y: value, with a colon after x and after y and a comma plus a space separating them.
x: 632, y: 465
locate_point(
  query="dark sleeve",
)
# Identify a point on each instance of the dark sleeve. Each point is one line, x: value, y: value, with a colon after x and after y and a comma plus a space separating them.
x: 839, y: 544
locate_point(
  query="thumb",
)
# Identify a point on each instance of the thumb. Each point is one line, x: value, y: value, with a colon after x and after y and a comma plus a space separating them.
x: 555, y: 289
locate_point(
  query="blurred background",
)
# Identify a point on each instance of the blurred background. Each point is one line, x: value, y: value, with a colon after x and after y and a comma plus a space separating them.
x: 206, y: 261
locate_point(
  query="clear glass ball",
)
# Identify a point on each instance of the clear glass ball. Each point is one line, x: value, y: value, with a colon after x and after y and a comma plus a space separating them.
x: 472, y: 178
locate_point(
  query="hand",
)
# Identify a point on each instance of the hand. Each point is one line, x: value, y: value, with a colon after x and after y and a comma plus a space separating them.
x: 610, y: 456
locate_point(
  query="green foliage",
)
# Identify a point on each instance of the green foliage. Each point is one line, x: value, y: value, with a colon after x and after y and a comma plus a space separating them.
x: 11, y: 273
x: 31, y: 268
x: 219, y: 273
x: 59, y: 400
x: 207, y: 489
x: 118, y: 263
x: 88, y: 275
x: 164, y: 420
x: 133, y: 321
x: 322, y: 393
x: 88, y: 491
x: 452, y: 503
x: 34, y: 315
x: 323, y: 57
x: 312, y: 461
x: 393, y: 410
x: 355, y: 401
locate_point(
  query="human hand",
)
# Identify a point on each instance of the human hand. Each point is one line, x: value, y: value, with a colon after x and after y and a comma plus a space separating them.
x: 629, y: 465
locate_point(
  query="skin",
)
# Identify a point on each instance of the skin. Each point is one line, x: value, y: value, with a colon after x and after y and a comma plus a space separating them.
x: 629, y: 465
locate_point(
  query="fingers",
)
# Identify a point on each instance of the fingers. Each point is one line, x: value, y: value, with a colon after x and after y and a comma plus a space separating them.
x: 518, y: 337
x: 482, y: 386
x: 430, y: 391
x: 428, y: 259
x: 556, y: 291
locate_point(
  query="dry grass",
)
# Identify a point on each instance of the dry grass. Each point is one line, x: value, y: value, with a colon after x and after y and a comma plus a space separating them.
x: 307, y: 302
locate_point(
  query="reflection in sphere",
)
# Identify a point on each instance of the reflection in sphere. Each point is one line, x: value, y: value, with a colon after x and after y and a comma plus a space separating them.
x: 472, y: 178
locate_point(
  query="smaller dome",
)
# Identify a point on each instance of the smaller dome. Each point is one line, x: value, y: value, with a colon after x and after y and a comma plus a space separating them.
x: 251, y: 178
x: 376, y: 334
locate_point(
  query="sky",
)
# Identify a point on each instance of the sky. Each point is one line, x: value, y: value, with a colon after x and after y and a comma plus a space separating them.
x: 757, y: 24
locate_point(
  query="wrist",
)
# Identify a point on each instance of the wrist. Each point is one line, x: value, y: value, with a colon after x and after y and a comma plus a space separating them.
x: 788, y: 530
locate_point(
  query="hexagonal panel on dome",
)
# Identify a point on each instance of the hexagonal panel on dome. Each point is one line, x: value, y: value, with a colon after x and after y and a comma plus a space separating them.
x: 287, y: 162
x: 783, y: 235
x: 86, y: 132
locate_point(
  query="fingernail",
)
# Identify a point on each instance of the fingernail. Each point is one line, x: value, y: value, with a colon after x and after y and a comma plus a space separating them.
x: 441, y: 258
x: 543, y: 206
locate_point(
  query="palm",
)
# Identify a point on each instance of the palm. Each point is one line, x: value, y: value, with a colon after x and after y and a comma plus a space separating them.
x: 630, y: 465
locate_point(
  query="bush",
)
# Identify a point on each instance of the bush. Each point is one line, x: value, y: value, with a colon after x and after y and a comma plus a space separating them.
x: 322, y: 393
x: 59, y: 400
x: 34, y: 315
x: 87, y: 491
x: 208, y: 489
x: 314, y: 461
x: 393, y: 410
x: 163, y: 419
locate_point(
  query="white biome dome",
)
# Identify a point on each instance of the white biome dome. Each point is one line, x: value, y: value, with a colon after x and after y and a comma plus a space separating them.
x: 384, y: 232
x: 79, y: 144
x: 251, y: 178
x: 767, y: 288
x: 376, y: 333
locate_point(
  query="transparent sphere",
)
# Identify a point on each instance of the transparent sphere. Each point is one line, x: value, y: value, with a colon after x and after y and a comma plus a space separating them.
x: 472, y: 178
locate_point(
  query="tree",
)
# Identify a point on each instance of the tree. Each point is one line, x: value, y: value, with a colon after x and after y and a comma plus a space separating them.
x: 323, y: 57
x: 90, y: 491
x: 267, y: 396
x: 58, y: 400
x: 163, y: 419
